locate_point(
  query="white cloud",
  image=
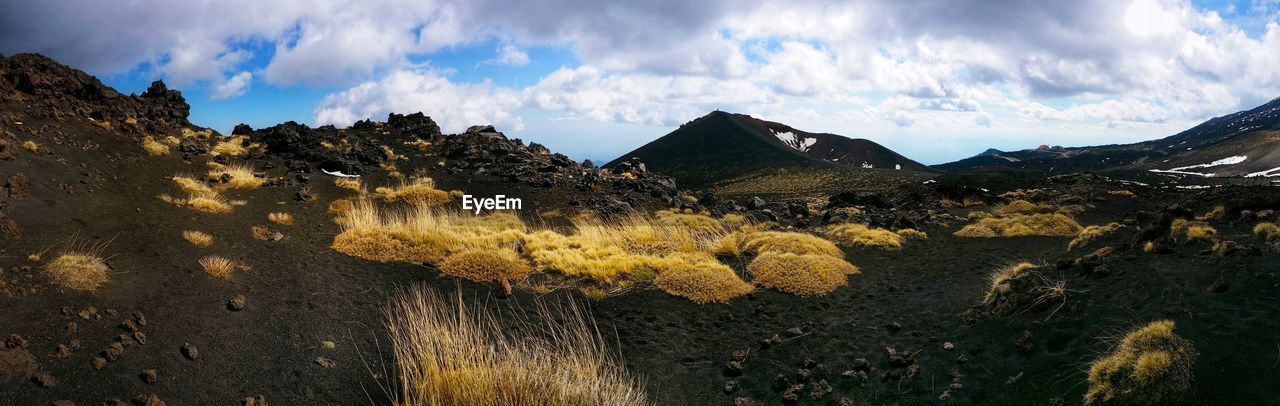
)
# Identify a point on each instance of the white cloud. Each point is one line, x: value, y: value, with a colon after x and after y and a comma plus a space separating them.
x: 455, y: 106
x: 233, y: 87
x: 511, y: 55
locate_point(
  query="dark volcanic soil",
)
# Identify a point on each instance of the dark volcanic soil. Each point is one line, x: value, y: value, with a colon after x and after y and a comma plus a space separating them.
x: 311, y: 328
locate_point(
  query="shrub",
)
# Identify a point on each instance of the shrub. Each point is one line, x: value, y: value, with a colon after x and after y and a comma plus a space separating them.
x: 1053, y: 225
x: 1150, y: 366
x: 77, y: 270
x: 197, y: 238
x: 221, y: 267
x: 236, y: 176
x: 789, y: 242
x: 804, y: 275
x: 421, y: 192
x: 153, y: 147
x: 449, y: 355
x: 485, y: 265
x: 1092, y: 233
x: 859, y: 235
x: 281, y: 218
x: 1267, y: 231
x: 701, y: 279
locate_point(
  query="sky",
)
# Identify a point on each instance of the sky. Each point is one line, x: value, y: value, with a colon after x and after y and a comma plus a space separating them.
x: 934, y: 80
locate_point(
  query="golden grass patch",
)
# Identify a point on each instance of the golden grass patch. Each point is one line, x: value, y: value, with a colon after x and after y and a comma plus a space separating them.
x: 1019, y: 225
x: 912, y: 234
x: 153, y: 147
x: 420, y: 192
x: 231, y: 147
x: 281, y: 218
x: 77, y: 270
x: 349, y: 184
x: 31, y: 146
x: 198, y: 238
x: 1092, y: 233
x: 789, y: 242
x: 1121, y: 192
x: 702, y: 280
x: 1217, y: 212
x: 1268, y: 231
x: 1151, y: 365
x: 446, y: 354
x: 1024, y: 207
x: 239, y: 176
x: 999, y: 279
x: 420, y: 234
x: 341, y: 207
x: 803, y: 274
x: 1191, y: 230
x: 696, y: 223
x: 103, y: 124
x: 209, y: 204
x: 221, y: 267
x: 486, y: 265
x: 859, y: 235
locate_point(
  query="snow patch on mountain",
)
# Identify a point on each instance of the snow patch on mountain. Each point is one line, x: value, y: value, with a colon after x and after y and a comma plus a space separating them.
x: 797, y: 142
x: 1266, y: 174
x: 1183, y: 170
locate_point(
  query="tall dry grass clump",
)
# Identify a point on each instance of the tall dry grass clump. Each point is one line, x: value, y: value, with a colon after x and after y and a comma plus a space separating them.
x: 281, y: 218
x: 238, y: 176
x: 804, y: 274
x: 1150, y: 366
x: 1267, y: 231
x: 349, y: 184
x: 487, y: 265
x: 1024, y: 207
x: 1022, y: 225
x: 420, y: 192
x: 231, y: 147
x: 77, y: 270
x: 1000, y: 278
x: 197, y: 238
x: 701, y: 279
x: 860, y: 235
x: 420, y: 234
x: 153, y: 147
x: 448, y: 354
x: 1191, y: 230
x: 789, y: 242
x: 1092, y: 233
x: 221, y: 267
x: 200, y: 196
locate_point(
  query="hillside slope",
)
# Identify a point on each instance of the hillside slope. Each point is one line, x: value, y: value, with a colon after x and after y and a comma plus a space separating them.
x: 723, y: 147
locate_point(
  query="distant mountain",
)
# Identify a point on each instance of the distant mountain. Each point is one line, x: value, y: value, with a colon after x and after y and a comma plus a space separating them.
x: 1245, y: 143
x: 721, y: 147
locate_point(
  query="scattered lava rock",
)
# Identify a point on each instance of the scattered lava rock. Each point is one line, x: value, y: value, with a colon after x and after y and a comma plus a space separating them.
x: 148, y: 400
x: 236, y: 303
x: 730, y: 387
x: 44, y: 379
x: 792, y: 394
x: 190, y: 351
x: 325, y: 362
x: 113, y: 352
x: 255, y: 400
x: 150, y: 376
x: 820, y: 390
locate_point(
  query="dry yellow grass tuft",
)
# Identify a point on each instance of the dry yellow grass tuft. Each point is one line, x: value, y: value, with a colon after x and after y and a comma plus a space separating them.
x: 487, y: 265
x: 1150, y: 366
x: 789, y: 242
x: 1191, y: 230
x: 696, y: 223
x: 979, y: 215
x: 349, y: 184
x: 804, y: 275
x: 31, y: 146
x: 859, y: 235
x: 420, y: 192
x: 153, y: 147
x: 1268, y: 231
x: 702, y: 280
x: 221, y: 267
x: 198, y: 238
x: 231, y: 147
x: 103, y: 124
x: 1001, y: 277
x: 1024, y: 207
x: 238, y: 176
x: 340, y: 207
x: 1122, y: 192
x: 1018, y: 225
x: 1217, y: 212
x: 209, y: 204
x: 1092, y: 233
x: 77, y: 270
x: 913, y: 234
x: 446, y: 354
x: 281, y: 218
x: 421, y: 234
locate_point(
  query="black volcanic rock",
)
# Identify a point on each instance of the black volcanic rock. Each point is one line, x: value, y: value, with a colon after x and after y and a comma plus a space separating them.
x: 722, y: 146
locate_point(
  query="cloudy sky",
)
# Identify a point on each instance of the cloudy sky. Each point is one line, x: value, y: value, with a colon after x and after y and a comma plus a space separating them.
x: 934, y: 80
